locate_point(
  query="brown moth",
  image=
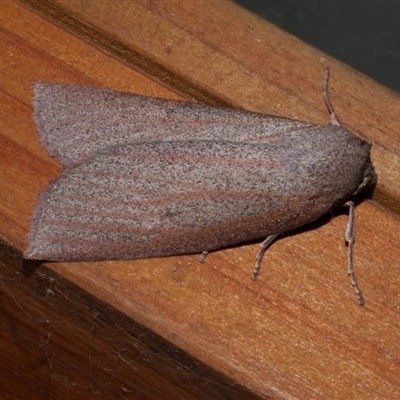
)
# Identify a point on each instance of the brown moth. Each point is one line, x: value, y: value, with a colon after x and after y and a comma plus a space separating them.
x: 149, y: 177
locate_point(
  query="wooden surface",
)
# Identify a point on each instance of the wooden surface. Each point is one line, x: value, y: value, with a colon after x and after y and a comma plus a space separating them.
x: 173, y: 327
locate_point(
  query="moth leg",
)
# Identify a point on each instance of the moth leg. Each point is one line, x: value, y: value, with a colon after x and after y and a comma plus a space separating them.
x: 349, y: 235
x: 264, y: 246
x: 203, y: 256
x: 325, y: 94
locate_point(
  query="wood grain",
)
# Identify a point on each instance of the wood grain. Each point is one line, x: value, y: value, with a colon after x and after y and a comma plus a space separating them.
x: 221, y: 54
x: 173, y: 327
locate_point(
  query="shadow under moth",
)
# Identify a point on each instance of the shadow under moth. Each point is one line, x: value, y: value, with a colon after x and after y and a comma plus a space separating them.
x: 147, y: 177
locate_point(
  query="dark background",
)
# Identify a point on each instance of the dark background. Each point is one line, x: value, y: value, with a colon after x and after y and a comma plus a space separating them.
x: 363, y: 34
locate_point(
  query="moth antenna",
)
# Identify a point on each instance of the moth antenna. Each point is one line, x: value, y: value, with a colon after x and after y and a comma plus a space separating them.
x: 349, y: 235
x: 325, y: 94
x: 264, y: 246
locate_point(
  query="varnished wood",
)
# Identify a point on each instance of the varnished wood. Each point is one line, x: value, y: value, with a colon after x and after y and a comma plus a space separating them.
x: 173, y: 326
x: 219, y: 53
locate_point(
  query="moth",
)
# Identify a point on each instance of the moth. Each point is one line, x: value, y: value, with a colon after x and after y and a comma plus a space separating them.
x: 147, y: 177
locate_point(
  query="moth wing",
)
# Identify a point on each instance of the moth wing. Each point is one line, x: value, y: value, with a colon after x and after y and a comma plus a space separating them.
x: 164, y: 198
x: 75, y: 122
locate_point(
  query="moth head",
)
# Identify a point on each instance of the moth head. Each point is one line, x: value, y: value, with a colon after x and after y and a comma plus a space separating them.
x: 370, y: 176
